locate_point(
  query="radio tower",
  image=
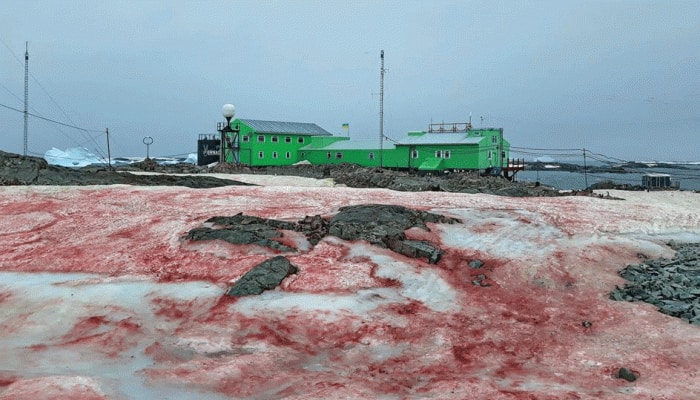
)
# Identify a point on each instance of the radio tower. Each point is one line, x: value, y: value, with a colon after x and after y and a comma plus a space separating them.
x: 381, y: 113
x: 26, y: 93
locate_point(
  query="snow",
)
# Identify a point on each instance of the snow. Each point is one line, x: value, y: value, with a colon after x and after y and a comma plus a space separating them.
x: 100, y: 297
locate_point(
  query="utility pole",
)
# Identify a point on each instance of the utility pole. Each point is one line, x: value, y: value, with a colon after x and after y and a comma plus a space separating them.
x: 585, y: 169
x: 381, y: 113
x: 26, y: 94
x: 109, y: 155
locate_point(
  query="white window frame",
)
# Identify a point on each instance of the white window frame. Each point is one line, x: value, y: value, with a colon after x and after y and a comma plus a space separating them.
x: 300, y: 139
x: 287, y: 139
x: 446, y: 154
x: 339, y: 156
x: 246, y: 138
x: 261, y: 138
x: 261, y: 155
x: 275, y: 139
x: 288, y: 155
x: 490, y: 156
x: 370, y: 155
x: 274, y: 154
x: 438, y: 153
x: 414, y: 154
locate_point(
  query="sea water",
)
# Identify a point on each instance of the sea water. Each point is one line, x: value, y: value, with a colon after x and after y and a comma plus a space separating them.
x: 688, y: 176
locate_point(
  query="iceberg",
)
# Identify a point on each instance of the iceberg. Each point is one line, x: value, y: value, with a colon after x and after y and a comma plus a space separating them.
x: 73, y: 157
x: 78, y: 157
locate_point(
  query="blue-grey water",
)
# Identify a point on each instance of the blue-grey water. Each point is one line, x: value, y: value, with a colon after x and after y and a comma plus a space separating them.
x: 689, y: 178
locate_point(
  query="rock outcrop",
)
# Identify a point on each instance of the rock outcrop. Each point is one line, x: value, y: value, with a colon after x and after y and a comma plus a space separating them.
x: 264, y: 276
x: 671, y: 285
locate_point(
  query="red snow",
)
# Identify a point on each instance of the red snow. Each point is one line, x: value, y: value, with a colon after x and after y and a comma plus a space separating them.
x: 103, y: 335
x: 534, y: 326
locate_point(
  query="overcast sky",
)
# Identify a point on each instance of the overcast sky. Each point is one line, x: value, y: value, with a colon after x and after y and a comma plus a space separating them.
x: 618, y: 77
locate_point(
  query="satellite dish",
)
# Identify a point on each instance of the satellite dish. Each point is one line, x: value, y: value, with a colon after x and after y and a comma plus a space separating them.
x: 228, y: 110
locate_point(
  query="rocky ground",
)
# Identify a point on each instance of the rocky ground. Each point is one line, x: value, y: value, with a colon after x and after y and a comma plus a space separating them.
x: 672, y: 285
x: 20, y: 170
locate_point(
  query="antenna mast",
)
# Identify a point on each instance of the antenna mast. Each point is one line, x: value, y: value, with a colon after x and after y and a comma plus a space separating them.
x: 381, y: 113
x: 26, y: 93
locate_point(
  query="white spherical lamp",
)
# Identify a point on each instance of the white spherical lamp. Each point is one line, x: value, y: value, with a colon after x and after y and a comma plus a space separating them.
x: 229, y: 110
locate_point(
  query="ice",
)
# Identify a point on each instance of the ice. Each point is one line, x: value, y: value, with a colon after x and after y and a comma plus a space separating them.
x: 73, y: 157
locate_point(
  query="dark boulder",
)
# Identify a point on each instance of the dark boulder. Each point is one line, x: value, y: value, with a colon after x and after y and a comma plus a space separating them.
x: 384, y: 226
x: 264, y: 276
x: 244, y: 229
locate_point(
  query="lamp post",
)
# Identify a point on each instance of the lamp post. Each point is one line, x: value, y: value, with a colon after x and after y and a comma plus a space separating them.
x: 228, y: 111
x: 148, y: 141
x: 232, y: 143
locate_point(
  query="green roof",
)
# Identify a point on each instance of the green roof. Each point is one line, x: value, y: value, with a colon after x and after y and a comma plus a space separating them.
x: 295, y: 128
x: 440, y: 139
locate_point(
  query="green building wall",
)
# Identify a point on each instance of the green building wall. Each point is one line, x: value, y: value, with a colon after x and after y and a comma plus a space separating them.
x: 268, y: 149
x: 390, y: 157
x: 483, y: 151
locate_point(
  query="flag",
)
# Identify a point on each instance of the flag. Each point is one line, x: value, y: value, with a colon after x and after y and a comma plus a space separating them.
x: 346, y: 127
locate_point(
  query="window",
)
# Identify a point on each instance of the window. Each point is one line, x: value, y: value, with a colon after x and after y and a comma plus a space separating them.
x: 246, y: 138
x: 261, y: 154
x: 339, y: 155
x: 494, y: 139
x: 300, y: 140
x: 446, y: 154
x: 287, y: 139
x: 261, y: 139
x: 414, y: 154
x: 328, y: 155
x: 490, y: 154
x: 288, y: 155
x: 438, y: 154
x: 370, y: 156
x: 275, y: 139
x: 274, y: 154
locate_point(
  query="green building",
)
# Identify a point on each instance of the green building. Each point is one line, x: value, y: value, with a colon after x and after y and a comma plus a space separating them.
x: 259, y: 143
x: 443, y: 147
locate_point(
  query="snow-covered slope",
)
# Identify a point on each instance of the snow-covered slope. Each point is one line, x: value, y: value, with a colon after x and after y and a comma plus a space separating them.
x: 100, y: 297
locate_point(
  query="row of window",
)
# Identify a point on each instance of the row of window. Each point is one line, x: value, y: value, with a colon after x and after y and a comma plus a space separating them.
x: 414, y: 154
x: 273, y: 139
x: 339, y: 155
x: 438, y: 154
x: 287, y: 155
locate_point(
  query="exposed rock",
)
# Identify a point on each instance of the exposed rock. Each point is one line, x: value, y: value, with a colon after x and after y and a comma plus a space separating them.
x: 384, y: 226
x: 20, y: 170
x: 671, y: 285
x: 381, y: 225
x: 264, y: 276
x: 626, y: 374
x: 314, y: 228
x: 244, y: 229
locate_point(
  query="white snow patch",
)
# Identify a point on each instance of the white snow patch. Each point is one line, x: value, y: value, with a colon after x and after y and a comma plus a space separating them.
x: 424, y: 285
x: 330, y: 306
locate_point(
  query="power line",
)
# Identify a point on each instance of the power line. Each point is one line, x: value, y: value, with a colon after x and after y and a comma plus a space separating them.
x: 50, y: 120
